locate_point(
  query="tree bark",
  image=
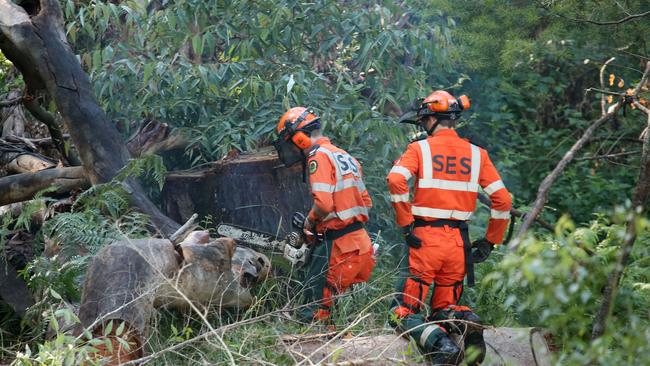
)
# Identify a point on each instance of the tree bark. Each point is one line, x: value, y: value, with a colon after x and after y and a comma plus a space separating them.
x: 13, y: 116
x: 253, y: 190
x: 37, y: 46
x: 23, y: 187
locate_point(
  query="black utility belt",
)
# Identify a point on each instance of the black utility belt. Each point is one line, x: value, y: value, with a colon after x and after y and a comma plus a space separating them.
x: 331, y: 235
x: 442, y: 222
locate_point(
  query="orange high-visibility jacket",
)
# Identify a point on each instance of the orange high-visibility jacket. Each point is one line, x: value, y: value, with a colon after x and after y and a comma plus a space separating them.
x: 449, y: 172
x: 337, y: 187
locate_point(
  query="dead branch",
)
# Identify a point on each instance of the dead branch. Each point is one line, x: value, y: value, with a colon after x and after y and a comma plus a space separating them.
x: 607, y: 156
x: 23, y: 187
x: 603, y: 111
x: 546, y: 184
x: 31, y: 104
x: 514, y: 212
x: 612, y: 22
x: 605, y: 92
x: 10, y: 102
x: 640, y: 196
x: 182, y: 232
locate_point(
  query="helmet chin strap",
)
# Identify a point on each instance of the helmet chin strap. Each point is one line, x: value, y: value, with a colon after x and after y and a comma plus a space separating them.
x: 430, y: 130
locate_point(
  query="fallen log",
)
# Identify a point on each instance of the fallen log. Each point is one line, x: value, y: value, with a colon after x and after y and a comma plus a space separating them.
x: 23, y: 187
x: 253, y: 190
x: 18, y: 158
x: 127, y: 279
x: 505, y: 346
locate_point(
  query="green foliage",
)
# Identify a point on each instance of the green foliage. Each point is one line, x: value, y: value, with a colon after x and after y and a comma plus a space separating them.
x: 63, y: 349
x: 557, y: 284
x: 8, y: 80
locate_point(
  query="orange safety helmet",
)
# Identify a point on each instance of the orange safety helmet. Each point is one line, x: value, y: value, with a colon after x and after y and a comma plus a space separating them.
x: 297, y: 124
x: 439, y: 103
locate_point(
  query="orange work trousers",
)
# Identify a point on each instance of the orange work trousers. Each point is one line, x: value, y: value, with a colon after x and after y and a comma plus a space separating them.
x: 334, y: 267
x: 439, y: 261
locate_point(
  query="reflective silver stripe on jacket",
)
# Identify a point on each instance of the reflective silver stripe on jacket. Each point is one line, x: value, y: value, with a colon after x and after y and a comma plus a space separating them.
x: 399, y: 197
x: 496, y: 214
x: 493, y: 187
x: 437, y: 213
x: 476, y: 164
x: 401, y: 170
x: 347, y: 214
x: 450, y: 185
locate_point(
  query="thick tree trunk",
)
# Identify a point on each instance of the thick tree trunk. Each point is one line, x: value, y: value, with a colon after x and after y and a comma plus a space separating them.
x: 506, y: 346
x: 37, y: 46
x: 127, y: 279
x: 253, y: 190
x: 23, y: 187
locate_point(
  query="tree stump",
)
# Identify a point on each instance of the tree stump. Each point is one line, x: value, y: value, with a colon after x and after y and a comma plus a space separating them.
x: 253, y: 190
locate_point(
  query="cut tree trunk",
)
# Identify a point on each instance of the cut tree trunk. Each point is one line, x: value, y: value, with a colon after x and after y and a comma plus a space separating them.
x: 253, y: 190
x: 505, y: 346
x: 127, y: 279
x: 33, y: 38
x: 23, y: 187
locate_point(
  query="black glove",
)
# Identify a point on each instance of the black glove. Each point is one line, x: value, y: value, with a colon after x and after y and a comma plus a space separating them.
x: 411, y: 239
x: 481, y: 249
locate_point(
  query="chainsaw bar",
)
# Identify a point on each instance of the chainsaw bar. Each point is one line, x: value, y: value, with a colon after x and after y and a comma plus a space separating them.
x: 291, y: 249
x: 251, y: 237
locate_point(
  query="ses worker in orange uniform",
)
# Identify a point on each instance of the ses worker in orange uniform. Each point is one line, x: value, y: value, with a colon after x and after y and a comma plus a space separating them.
x: 344, y: 255
x: 447, y: 172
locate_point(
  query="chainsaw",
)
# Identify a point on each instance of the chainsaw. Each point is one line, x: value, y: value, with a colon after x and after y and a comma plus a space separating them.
x: 293, y: 246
